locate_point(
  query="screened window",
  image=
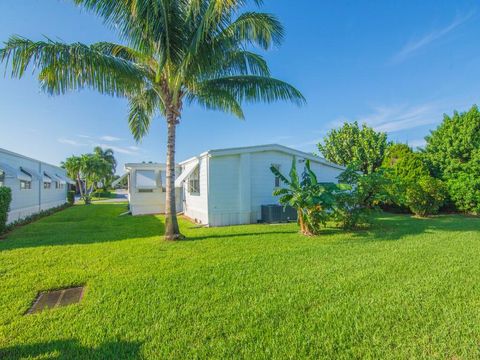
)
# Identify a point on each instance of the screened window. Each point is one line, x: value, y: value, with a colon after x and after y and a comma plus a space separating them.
x: 2, y: 178
x: 146, y: 179
x: 25, y: 185
x: 277, y: 179
x: 194, y: 182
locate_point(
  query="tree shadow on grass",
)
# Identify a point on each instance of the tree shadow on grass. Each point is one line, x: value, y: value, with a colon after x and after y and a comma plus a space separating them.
x: 72, y: 349
x: 388, y: 227
x: 84, y: 225
x: 237, y: 235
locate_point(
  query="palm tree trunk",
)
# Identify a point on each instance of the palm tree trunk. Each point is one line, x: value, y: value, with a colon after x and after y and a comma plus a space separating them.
x: 79, y: 182
x: 172, y: 231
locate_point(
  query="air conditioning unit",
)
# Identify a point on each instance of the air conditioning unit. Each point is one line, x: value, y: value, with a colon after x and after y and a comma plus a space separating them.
x: 274, y: 213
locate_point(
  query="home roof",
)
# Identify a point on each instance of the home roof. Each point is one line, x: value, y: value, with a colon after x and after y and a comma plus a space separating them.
x: 267, y: 147
x: 8, y: 152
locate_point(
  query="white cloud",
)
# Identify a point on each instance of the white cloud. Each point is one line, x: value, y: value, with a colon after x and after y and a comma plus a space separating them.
x: 417, y: 143
x: 402, y: 117
x: 119, y: 149
x: 70, y: 142
x: 84, y: 136
x: 109, y: 138
x: 413, y: 46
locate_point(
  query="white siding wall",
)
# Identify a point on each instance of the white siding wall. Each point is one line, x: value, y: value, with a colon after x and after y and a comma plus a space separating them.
x: 30, y: 201
x: 195, y: 206
x: 229, y: 193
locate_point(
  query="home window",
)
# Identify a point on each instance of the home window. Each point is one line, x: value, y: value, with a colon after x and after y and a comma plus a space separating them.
x: 25, y: 185
x: 146, y: 179
x: 277, y: 179
x: 2, y: 178
x: 47, y: 185
x: 194, y: 182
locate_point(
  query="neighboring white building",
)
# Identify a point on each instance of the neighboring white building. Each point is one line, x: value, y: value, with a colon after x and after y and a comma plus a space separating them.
x: 35, y: 185
x: 227, y: 186
x: 146, y: 188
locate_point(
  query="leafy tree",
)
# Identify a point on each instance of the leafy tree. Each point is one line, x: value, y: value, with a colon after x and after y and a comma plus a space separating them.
x: 177, y: 53
x: 360, y: 196
x: 411, y: 185
x: 352, y: 144
x: 453, y: 152
x: 312, y: 200
x: 87, y: 169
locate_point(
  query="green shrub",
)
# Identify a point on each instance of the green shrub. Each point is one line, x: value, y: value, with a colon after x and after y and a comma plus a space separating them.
x: 360, y: 196
x: 425, y: 196
x: 5, y: 200
x: 464, y: 191
x: 71, y: 197
x: 453, y: 153
x: 411, y: 185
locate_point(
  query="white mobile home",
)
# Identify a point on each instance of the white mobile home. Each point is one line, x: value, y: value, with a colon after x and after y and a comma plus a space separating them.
x: 226, y: 186
x: 229, y: 186
x: 35, y: 185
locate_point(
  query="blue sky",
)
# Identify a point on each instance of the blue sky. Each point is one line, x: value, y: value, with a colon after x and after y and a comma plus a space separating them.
x: 396, y: 65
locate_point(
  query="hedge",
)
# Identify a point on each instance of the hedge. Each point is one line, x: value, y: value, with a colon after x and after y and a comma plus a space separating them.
x: 5, y: 200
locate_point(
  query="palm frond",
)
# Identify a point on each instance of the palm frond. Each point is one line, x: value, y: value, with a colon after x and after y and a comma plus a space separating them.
x: 142, y: 110
x: 215, y: 99
x: 253, y: 88
x: 66, y: 67
x: 255, y: 28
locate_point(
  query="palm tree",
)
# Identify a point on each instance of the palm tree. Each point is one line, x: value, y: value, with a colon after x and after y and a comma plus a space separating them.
x: 108, y: 156
x: 178, y: 52
x: 73, y: 165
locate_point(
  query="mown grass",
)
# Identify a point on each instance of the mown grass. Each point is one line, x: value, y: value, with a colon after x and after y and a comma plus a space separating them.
x: 407, y: 288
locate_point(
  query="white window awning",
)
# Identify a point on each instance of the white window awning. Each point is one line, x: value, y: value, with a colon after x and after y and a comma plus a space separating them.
x: 60, y: 179
x: 119, y: 180
x: 16, y: 173
x: 189, y: 168
x: 47, y: 177
x: 33, y: 174
x: 65, y: 179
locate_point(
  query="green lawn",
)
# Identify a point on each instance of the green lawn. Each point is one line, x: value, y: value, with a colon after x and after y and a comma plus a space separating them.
x: 409, y: 288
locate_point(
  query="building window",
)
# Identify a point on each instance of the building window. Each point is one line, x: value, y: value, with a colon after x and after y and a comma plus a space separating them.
x: 25, y: 185
x: 2, y: 178
x: 146, y: 179
x: 47, y: 185
x: 194, y: 182
x: 277, y: 179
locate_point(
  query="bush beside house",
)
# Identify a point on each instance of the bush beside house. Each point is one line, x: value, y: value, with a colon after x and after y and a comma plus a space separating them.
x: 5, y: 200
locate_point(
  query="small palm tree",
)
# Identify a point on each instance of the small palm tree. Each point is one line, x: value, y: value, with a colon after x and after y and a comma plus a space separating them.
x: 178, y: 52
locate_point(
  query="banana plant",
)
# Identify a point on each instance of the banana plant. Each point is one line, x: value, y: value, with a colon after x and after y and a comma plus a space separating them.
x: 313, y: 200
